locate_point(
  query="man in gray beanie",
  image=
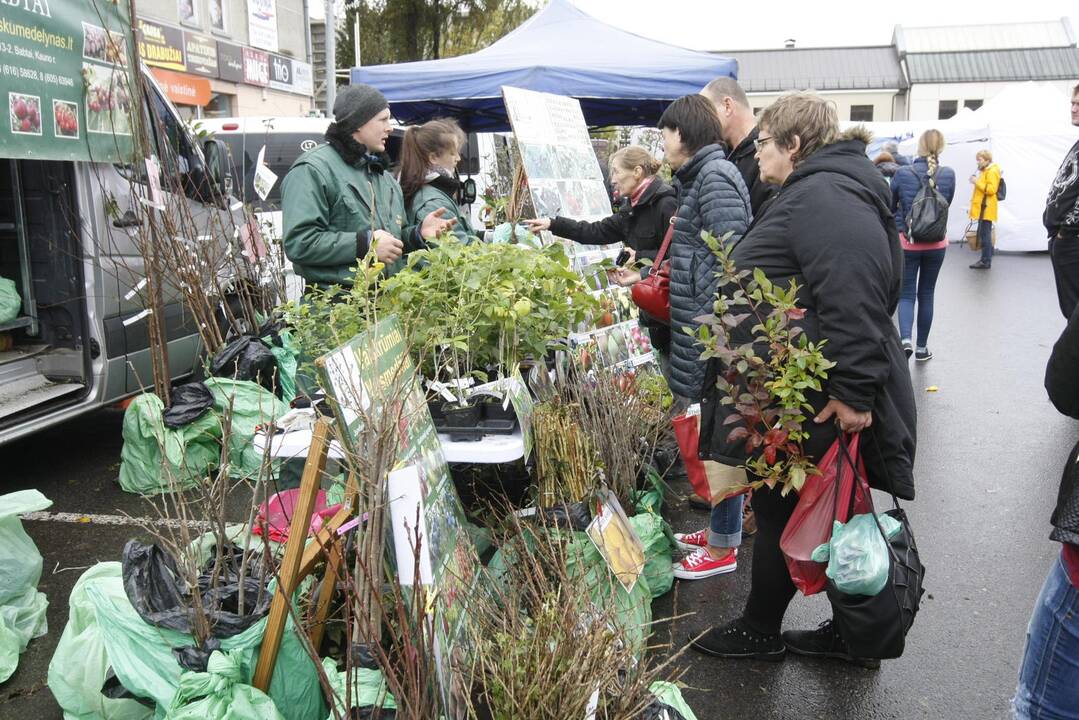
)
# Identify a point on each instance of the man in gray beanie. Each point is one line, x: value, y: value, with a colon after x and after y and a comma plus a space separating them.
x: 339, y: 202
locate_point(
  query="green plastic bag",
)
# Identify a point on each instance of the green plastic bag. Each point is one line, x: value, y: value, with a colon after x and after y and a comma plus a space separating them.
x: 250, y: 405
x: 368, y: 689
x: 857, y: 554
x: 658, y: 563
x: 157, y: 459
x: 22, y: 607
x: 141, y: 655
x: 79, y: 665
x: 10, y: 302
x: 670, y: 695
x: 287, y: 355
x: 220, y: 693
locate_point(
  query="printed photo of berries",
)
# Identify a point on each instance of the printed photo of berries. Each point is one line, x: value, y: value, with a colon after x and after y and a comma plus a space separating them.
x: 65, y: 119
x: 24, y: 112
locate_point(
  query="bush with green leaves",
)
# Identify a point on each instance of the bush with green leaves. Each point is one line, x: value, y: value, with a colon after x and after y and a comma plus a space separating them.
x: 478, y: 308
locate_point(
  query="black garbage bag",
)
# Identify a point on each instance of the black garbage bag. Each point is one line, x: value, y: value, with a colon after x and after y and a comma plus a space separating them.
x: 189, y: 403
x: 247, y: 358
x: 567, y: 516
x: 659, y: 710
x: 163, y: 597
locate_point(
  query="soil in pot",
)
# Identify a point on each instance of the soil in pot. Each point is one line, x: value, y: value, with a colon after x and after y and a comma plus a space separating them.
x: 462, y: 417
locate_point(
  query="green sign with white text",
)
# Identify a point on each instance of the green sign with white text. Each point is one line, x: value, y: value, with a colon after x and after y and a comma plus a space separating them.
x: 65, y: 77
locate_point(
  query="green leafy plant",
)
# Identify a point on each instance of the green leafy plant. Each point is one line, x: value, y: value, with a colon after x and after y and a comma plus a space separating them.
x: 478, y: 309
x: 767, y: 390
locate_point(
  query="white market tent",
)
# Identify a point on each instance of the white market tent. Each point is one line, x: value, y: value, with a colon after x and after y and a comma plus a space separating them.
x: 1028, y: 129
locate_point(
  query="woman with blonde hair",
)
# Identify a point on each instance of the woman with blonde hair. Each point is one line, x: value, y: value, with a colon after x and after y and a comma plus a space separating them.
x: 983, y: 205
x: 429, y: 156
x: 922, y: 257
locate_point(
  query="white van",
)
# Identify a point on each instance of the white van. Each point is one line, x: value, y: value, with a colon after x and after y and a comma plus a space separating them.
x: 67, y: 232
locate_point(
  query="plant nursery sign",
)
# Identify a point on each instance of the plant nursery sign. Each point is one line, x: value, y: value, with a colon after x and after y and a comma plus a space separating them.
x: 65, y: 74
x: 564, y: 177
x: 372, y: 375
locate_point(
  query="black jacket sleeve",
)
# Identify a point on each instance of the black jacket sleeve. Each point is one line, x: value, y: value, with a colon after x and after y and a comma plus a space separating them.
x: 1062, y: 372
x: 601, y: 232
x: 843, y: 251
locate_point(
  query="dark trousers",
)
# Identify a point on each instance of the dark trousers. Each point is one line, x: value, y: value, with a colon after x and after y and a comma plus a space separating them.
x: 1064, y: 253
x: 920, y: 271
x: 985, y: 237
x: 771, y: 589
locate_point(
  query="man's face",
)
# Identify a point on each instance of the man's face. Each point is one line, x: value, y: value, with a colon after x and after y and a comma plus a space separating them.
x: 1075, y: 109
x: 374, y: 132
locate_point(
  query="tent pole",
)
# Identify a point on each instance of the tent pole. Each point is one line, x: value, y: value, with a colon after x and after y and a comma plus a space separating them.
x: 331, y: 57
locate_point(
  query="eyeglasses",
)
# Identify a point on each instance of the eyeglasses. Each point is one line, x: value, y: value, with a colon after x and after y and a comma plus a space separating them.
x: 761, y: 142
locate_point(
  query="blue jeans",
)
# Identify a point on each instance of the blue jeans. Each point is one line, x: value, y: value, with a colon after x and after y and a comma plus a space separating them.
x: 920, y: 271
x: 1049, y: 674
x: 985, y: 237
x: 725, y: 526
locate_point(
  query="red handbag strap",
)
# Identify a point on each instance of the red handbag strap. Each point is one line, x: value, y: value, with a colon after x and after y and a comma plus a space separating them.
x: 663, y: 247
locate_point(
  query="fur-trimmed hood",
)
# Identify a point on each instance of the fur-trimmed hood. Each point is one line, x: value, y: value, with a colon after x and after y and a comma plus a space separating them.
x: 858, y: 132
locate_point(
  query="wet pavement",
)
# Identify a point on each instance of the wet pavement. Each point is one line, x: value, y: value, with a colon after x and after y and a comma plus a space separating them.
x: 990, y: 452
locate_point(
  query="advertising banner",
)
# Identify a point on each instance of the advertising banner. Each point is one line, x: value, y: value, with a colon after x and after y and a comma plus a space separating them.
x: 65, y: 75
x: 230, y: 62
x: 256, y: 67
x: 281, y: 73
x: 161, y: 46
x: 303, y: 80
x: 262, y: 24
x: 201, y: 54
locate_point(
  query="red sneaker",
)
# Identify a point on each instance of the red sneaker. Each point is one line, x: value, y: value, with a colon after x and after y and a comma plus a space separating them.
x: 691, y: 541
x: 699, y: 564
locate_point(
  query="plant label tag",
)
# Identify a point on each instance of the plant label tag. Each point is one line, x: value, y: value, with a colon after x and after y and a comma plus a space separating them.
x: 265, y: 179
x: 593, y: 706
x: 153, y: 175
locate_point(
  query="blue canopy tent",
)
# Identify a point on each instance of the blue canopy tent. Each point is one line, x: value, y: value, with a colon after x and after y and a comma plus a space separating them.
x: 620, y: 78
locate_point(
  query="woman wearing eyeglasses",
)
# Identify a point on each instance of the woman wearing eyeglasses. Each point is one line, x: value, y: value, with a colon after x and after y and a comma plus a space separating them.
x: 712, y: 198
x: 830, y: 229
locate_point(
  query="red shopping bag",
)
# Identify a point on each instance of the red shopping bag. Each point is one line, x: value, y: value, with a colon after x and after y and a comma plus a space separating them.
x: 688, y: 437
x: 819, y: 504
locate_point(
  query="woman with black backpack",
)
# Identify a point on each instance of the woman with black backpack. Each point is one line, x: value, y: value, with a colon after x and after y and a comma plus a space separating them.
x: 922, y: 256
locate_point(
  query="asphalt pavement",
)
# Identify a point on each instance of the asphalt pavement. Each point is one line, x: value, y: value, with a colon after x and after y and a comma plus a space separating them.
x: 990, y: 453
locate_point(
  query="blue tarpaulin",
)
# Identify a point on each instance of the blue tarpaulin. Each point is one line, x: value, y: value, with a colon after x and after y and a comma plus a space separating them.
x: 620, y: 78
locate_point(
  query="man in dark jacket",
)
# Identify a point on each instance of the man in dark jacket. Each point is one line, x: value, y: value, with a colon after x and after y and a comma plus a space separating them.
x: 1048, y: 682
x: 739, y: 132
x: 1061, y: 220
x: 339, y: 200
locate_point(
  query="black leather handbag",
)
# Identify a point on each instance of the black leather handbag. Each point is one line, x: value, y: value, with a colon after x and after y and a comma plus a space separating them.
x: 876, y: 626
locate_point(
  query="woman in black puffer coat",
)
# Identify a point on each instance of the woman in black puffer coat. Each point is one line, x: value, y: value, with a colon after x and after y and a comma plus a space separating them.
x: 830, y: 229
x: 712, y: 197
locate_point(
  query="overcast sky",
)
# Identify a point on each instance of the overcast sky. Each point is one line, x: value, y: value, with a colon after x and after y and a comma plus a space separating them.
x: 718, y: 25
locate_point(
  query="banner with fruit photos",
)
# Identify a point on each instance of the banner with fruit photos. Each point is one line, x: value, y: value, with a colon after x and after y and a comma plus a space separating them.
x: 66, y: 76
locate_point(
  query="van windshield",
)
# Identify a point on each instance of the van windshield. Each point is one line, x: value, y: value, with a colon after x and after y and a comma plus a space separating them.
x: 282, y: 149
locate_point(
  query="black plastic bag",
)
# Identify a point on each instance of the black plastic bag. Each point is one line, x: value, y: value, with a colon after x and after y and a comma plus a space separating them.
x: 247, y: 358
x: 163, y: 598
x: 658, y: 710
x: 189, y: 403
x: 572, y: 516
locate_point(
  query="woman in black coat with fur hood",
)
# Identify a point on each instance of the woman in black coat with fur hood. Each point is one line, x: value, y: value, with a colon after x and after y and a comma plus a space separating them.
x: 828, y: 228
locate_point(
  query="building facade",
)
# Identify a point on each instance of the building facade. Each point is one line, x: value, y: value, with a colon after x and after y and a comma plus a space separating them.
x: 953, y: 67
x: 217, y: 58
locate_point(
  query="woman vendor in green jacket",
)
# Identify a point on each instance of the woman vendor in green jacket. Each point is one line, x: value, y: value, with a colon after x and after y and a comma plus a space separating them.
x: 429, y: 154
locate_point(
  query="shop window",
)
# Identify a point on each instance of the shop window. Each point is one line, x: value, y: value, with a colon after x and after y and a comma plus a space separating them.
x: 220, y: 105
x: 947, y: 109
x: 861, y: 113
x: 973, y: 104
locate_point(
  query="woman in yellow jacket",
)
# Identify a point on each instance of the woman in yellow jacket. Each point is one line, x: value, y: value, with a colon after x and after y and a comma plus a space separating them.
x: 983, y: 205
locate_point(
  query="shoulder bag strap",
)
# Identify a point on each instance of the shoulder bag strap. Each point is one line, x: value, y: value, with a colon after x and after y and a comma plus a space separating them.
x: 666, y: 241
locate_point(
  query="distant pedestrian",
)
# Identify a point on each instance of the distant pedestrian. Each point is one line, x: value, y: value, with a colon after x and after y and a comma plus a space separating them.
x: 1061, y: 220
x: 1049, y: 672
x: 892, y: 148
x: 886, y: 164
x: 983, y: 205
x: 921, y: 260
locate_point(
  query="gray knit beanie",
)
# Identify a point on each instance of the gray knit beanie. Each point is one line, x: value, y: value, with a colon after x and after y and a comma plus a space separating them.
x: 356, y: 104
